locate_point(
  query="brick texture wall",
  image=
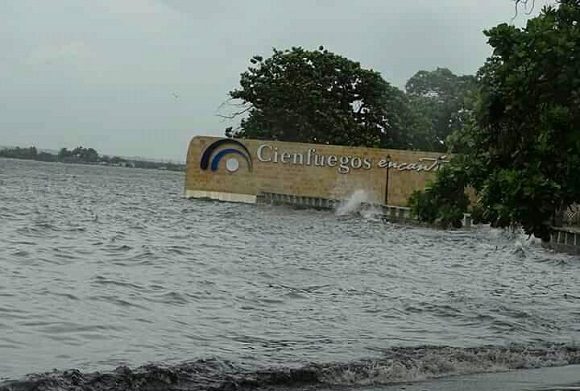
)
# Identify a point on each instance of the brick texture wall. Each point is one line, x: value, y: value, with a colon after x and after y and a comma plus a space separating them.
x: 309, y: 180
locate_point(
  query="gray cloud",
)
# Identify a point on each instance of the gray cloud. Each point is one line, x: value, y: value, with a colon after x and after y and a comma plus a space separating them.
x: 141, y: 77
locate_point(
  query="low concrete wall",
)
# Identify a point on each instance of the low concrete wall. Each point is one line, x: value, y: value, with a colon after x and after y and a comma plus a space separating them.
x: 296, y: 201
x: 390, y: 213
x: 565, y: 240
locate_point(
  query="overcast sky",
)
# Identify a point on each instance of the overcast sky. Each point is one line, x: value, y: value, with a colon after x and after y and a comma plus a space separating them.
x: 141, y: 77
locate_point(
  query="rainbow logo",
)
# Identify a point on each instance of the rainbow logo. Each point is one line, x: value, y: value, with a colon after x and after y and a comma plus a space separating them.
x: 213, y: 154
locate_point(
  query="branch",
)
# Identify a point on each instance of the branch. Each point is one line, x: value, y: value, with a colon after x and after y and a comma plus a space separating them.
x: 237, y: 113
x: 224, y: 103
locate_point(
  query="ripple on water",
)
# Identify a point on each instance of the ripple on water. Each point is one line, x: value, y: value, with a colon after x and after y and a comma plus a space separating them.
x: 101, y: 266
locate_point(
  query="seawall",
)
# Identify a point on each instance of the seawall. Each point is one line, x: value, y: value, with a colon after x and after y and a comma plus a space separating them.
x: 564, y: 239
x: 239, y: 170
x: 388, y: 213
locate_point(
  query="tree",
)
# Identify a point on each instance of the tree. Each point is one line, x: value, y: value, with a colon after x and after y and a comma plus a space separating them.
x: 79, y: 154
x: 524, y: 146
x: 444, y: 202
x: 319, y: 97
x: 63, y: 154
x: 89, y: 155
x: 444, y: 101
x: 530, y: 118
x: 29, y: 153
x: 46, y: 157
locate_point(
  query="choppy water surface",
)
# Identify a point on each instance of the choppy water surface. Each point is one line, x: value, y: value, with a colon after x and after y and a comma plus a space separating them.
x: 101, y: 267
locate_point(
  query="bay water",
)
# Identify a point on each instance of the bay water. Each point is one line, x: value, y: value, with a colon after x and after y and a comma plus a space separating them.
x: 107, y: 267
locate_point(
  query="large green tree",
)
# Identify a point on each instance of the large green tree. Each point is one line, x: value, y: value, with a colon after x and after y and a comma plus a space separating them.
x: 529, y: 117
x: 320, y: 97
x: 442, y: 102
x: 523, y: 148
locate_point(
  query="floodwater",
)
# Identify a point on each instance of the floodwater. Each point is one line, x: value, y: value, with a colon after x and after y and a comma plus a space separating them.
x: 106, y: 267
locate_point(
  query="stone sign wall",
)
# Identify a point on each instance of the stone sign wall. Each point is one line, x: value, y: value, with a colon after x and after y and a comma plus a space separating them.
x: 239, y: 170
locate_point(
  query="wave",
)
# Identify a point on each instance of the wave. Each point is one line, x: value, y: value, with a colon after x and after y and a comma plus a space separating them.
x: 397, y: 365
x: 359, y: 204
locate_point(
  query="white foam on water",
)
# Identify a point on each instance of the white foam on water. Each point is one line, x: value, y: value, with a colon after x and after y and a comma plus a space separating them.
x: 371, y: 212
x: 432, y: 363
x: 354, y: 203
x: 359, y: 203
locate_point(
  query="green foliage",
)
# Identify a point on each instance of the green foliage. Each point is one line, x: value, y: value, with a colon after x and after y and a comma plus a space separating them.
x: 85, y: 156
x: 79, y: 155
x: 443, y: 101
x: 529, y: 119
x: 19, y: 153
x: 424, y: 205
x: 320, y: 97
x: 444, y: 202
x: 522, y: 148
x: 46, y: 157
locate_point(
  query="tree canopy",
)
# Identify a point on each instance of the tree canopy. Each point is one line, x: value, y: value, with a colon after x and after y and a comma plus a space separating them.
x: 320, y: 97
x: 523, y: 145
x: 84, y: 155
x: 442, y: 102
x: 80, y: 154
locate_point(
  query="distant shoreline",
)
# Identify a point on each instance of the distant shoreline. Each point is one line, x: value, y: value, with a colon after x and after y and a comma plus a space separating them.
x: 86, y: 156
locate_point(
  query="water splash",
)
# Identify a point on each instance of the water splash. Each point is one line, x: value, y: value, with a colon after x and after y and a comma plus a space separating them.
x: 354, y: 204
x: 396, y: 366
x: 371, y: 212
x: 359, y: 203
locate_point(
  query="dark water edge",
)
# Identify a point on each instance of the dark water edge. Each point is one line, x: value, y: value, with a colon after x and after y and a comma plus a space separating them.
x: 421, y: 368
